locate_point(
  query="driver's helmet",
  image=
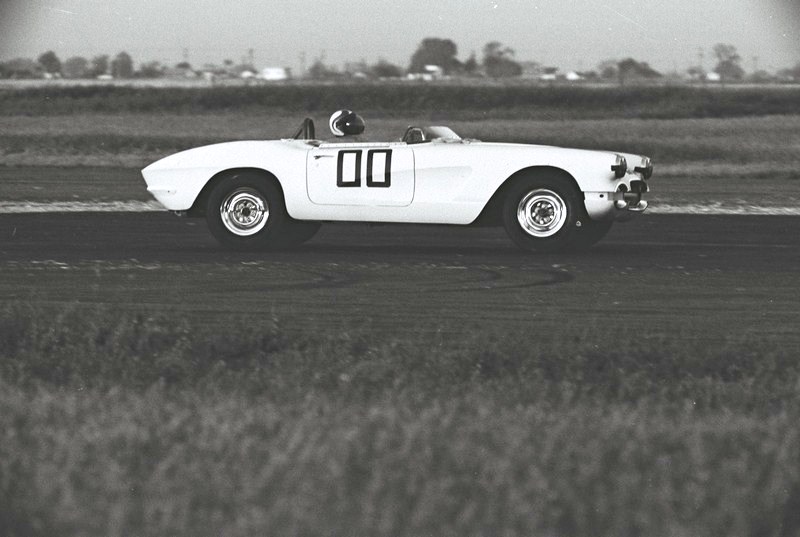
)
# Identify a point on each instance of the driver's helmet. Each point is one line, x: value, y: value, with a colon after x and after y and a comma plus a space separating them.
x: 346, y: 122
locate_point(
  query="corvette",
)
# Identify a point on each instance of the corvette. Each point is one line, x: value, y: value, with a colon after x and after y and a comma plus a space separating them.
x: 274, y: 194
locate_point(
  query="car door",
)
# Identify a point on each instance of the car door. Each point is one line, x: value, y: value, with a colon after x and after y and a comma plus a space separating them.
x: 368, y: 174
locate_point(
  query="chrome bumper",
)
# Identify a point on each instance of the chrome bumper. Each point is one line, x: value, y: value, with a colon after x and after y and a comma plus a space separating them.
x: 614, y: 205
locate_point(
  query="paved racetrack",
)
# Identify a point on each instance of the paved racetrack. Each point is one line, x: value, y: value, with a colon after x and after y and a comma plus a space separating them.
x: 702, y: 277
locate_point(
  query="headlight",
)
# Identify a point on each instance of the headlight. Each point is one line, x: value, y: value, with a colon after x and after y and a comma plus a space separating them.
x: 620, y: 168
x: 646, y: 169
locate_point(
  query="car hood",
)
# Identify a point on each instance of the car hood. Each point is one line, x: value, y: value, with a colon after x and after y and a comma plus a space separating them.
x: 633, y: 160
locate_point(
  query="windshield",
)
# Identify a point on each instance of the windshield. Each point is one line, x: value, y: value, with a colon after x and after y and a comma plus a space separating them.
x: 440, y: 133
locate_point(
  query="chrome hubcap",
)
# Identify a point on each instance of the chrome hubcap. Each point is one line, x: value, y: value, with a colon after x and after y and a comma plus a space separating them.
x: 244, y: 212
x: 541, y: 213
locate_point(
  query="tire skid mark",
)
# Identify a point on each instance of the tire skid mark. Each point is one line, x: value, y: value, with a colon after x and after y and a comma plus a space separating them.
x: 281, y: 276
x: 323, y: 281
x: 547, y: 277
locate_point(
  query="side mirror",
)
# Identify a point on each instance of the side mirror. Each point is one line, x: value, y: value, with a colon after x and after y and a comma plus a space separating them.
x: 346, y: 123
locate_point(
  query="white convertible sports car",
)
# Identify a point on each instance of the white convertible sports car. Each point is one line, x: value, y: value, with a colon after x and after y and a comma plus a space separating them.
x: 267, y: 194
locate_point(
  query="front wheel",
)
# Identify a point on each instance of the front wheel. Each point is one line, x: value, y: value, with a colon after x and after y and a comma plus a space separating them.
x: 247, y: 212
x: 540, y: 212
x: 589, y: 233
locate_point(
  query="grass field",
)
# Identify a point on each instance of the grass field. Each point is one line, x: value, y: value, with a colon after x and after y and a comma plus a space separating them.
x: 136, y: 424
x: 506, y: 101
x: 711, y: 131
x: 754, y: 147
x: 117, y: 423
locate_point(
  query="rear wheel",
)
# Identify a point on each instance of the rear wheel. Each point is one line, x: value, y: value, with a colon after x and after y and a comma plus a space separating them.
x: 245, y: 211
x: 540, y: 212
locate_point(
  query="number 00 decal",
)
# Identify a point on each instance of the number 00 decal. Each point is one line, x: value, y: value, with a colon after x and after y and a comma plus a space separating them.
x: 379, y: 168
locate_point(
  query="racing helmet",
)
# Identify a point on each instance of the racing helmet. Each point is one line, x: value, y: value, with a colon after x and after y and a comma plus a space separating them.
x: 346, y: 123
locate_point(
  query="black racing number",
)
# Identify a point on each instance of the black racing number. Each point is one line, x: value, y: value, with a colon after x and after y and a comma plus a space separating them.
x: 383, y: 178
x: 350, y: 160
x: 349, y: 155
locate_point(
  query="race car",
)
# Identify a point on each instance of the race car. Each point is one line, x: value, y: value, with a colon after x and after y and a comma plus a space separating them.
x: 275, y: 194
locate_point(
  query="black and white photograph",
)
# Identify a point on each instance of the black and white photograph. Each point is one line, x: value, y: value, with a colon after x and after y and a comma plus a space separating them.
x: 464, y: 268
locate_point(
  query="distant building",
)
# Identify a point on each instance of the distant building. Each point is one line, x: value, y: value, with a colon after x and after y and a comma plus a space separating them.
x: 549, y: 74
x: 179, y: 72
x: 531, y: 70
x: 274, y: 74
x: 432, y: 72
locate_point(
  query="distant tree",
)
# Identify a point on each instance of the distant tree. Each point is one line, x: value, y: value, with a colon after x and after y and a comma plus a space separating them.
x: 21, y: 68
x: 728, y: 62
x: 608, y: 70
x: 76, y: 67
x: 358, y: 69
x: 790, y: 74
x: 151, y: 70
x: 122, y: 66
x: 320, y: 71
x: 471, y: 65
x: 631, y: 69
x: 498, y: 61
x: 384, y: 69
x: 50, y: 62
x: 435, y: 51
x: 99, y: 65
x: 696, y: 73
x: 760, y: 77
x: 186, y: 66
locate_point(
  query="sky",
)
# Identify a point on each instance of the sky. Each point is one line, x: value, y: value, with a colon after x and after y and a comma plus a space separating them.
x: 570, y: 34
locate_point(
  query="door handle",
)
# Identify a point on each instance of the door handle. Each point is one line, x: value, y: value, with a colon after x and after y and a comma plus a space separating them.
x: 322, y: 156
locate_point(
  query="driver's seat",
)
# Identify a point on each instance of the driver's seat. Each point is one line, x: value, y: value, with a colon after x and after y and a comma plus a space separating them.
x: 414, y: 135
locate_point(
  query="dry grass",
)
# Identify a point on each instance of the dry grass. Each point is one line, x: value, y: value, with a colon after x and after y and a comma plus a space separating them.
x: 738, y: 146
x: 137, y: 424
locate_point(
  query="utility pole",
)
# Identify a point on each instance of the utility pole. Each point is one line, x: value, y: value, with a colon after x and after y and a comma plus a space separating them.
x: 303, y: 64
x: 251, y: 57
x: 701, y: 58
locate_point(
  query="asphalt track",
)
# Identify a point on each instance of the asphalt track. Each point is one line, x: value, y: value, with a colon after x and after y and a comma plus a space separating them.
x: 707, y: 278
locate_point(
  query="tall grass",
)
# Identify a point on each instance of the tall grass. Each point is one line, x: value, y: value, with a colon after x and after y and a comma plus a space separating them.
x: 119, y: 423
x: 391, y: 99
x: 102, y: 348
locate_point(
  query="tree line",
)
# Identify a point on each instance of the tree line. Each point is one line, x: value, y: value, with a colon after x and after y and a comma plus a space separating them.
x: 49, y: 64
x: 434, y: 57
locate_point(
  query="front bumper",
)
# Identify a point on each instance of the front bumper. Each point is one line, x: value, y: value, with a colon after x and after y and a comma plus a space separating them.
x: 623, y: 203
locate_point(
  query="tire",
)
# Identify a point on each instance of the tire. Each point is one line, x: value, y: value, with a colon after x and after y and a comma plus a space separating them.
x: 540, y: 212
x: 297, y: 232
x: 246, y: 211
x: 589, y: 233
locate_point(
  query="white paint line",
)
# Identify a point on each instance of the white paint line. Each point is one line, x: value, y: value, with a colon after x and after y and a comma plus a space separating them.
x: 22, y: 207
x: 719, y: 209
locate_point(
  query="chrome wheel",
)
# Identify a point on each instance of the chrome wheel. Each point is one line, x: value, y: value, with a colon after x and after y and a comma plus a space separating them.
x: 244, y: 211
x: 541, y: 213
